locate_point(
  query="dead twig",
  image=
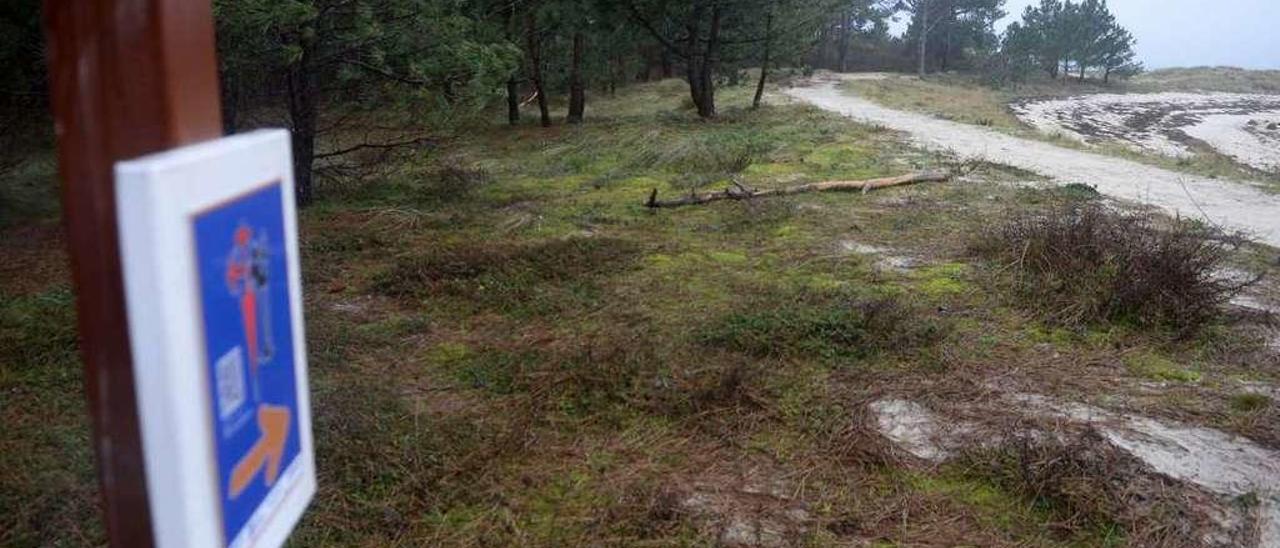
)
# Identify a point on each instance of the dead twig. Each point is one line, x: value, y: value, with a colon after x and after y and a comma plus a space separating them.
x: 741, y: 192
x: 375, y: 146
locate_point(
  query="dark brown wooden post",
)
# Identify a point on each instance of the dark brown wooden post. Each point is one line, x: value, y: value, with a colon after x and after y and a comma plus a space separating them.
x: 127, y: 77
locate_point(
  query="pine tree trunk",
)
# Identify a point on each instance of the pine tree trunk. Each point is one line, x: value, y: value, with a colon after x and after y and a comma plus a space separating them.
x: 513, y: 101
x: 303, y: 110
x: 615, y: 72
x: 948, y: 44
x: 613, y: 81
x: 693, y: 54
x: 668, y: 65
x: 924, y: 33
x: 707, y: 107
x: 764, y: 63
x: 230, y: 103
x: 535, y: 64
x: 843, y: 42
x: 513, y: 85
x: 577, y: 90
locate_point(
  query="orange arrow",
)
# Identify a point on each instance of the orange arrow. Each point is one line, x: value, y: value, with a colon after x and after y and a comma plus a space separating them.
x: 273, y: 422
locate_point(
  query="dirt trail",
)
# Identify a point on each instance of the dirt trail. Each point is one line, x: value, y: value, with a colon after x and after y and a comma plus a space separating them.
x: 1233, y: 205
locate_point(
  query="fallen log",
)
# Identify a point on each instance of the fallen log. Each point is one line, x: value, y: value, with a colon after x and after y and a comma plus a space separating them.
x: 739, y: 192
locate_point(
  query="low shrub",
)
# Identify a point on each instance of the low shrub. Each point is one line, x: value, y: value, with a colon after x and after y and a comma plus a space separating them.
x: 724, y: 153
x: 824, y: 325
x: 38, y: 331
x: 453, y: 181
x: 1091, y: 489
x: 537, y: 276
x: 1250, y: 402
x: 1084, y: 263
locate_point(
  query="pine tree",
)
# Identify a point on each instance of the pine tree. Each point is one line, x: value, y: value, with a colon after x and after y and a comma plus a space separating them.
x: 1086, y: 33
x: 719, y: 37
x: 1116, y: 55
x: 327, y: 53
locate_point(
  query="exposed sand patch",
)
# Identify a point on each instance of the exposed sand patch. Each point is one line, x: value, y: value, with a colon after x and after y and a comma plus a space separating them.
x: 1212, y: 459
x: 1260, y: 305
x: 1260, y: 388
x: 1256, y: 304
x: 1242, y: 126
x: 861, y: 248
x: 1223, y: 464
x: 1218, y: 462
x: 1251, y: 139
x: 756, y: 510
x: 1233, y: 205
x: 911, y: 427
x: 886, y: 258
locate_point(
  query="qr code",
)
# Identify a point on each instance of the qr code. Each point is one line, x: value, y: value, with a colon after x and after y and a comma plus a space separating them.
x: 229, y: 372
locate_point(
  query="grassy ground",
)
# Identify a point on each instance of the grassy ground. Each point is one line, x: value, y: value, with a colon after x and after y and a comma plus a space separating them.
x: 962, y: 98
x: 1224, y: 79
x: 507, y: 348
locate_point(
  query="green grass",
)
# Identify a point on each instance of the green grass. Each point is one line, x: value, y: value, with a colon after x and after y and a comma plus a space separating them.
x: 1159, y: 368
x: 1224, y: 79
x: 948, y: 97
x: 538, y: 278
x: 47, y: 489
x: 1250, y: 403
x: 824, y: 324
x: 1013, y: 514
x: 507, y: 348
x: 29, y: 190
x: 964, y: 98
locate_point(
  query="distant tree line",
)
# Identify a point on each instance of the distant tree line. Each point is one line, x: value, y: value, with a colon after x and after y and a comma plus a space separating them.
x: 329, y: 69
x: 326, y: 68
x: 856, y: 36
x: 942, y: 35
x: 945, y: 32
x: 1058, y: 37
x: 323, y: 61
x: 1062, y: 37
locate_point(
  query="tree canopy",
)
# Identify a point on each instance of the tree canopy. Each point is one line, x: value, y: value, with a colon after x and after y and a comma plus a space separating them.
x: 1061, y: 36
x: 323, y: 54
x: 320, y: 66
x: 950, y: 32
x: 21, y: 52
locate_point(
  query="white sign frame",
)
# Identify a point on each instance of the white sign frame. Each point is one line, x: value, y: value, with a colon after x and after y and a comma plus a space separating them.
x: 157, y: 198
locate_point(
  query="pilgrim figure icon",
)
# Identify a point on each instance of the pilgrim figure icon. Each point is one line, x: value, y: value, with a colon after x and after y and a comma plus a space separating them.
x: 248, y: 278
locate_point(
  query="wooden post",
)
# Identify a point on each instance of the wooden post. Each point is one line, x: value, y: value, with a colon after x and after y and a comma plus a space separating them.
x: 127, y: 78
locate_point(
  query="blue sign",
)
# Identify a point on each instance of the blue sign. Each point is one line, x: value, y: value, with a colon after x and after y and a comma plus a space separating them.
x: 253, y: 393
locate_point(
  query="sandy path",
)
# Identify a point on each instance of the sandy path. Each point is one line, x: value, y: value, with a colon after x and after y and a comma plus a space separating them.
x: 1228, y: 204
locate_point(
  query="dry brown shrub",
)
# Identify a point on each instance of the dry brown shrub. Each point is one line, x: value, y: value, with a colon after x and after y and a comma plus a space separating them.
x: 1084, y: 263
x: 1092, y: 486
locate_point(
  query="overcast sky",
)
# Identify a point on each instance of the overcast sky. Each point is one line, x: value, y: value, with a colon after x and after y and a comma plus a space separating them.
x: 1173, y: 33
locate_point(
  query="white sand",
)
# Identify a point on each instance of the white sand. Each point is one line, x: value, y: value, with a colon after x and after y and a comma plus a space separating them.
x: 1163, y: 122
x: 911, y: 427
x: 1248, y: 143
x: 1233, y: 205
x: 1218, y: 462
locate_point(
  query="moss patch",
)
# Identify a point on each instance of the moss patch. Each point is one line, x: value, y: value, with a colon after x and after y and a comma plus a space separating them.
x: 1156, y: 367
x: 943, y: 280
